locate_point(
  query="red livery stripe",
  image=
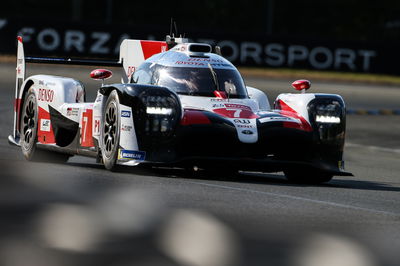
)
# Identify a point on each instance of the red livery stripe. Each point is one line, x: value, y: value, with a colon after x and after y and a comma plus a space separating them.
x: 45, y: 132
x: 153, y: 47
x: 288, y: 111
x: 194, y: 117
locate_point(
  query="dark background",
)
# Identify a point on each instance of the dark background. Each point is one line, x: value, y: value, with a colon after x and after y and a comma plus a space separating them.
x: 330, y: 19
x: 340, y: 35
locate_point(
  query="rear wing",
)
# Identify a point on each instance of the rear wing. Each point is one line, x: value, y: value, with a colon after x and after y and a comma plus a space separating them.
x: 134, y: 52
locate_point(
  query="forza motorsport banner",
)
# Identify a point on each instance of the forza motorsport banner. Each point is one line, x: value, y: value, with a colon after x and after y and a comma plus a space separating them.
x: 47, y: 38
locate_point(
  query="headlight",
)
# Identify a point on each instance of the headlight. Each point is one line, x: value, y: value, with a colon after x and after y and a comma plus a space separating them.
x: 162, y: 112
x: 328, y: 112
x: 158, y: 110
x: 327, y: 119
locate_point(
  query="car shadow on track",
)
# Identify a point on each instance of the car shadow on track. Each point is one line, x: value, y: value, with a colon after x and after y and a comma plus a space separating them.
x: 243, y: 177
x: 363, y: 185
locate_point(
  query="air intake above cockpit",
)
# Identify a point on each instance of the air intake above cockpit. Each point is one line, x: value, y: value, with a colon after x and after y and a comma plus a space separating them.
x: 196, y: 49
x: 199, y: 48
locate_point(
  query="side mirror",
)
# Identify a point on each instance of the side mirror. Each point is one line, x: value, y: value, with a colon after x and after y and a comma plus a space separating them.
x: 301, y: 85
x: 101, y: 74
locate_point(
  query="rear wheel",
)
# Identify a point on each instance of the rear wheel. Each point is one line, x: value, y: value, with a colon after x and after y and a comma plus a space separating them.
x: 307, y: 176
x: 29, y: 124
x: 110, y: 131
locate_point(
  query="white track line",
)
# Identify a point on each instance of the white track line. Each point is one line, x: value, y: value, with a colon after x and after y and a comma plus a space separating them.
x: 333, y: 204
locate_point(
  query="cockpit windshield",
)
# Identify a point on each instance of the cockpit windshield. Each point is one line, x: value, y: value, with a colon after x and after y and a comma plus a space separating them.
x: 200, y: 81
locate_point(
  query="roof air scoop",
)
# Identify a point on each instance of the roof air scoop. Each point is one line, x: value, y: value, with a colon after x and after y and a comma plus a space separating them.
x: 199, y: 48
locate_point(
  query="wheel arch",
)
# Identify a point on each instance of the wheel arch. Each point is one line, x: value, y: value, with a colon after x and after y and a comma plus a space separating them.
x: 26, y: 86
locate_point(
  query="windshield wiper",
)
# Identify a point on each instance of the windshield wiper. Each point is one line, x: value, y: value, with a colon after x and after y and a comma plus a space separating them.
x: 214, y: 75
x: 215, y: 78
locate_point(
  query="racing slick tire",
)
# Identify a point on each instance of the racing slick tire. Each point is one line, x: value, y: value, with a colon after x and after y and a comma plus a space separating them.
x: 307, y: 176
x: 110, y: 133
x: 29, y: 129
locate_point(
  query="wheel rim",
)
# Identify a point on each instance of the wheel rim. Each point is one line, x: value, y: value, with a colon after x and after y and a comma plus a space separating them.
x: 110, y: 129
x: 29, y: 122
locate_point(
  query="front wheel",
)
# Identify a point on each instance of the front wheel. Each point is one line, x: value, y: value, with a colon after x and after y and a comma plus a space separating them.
x: 110, y: 131
x: 307, y: 176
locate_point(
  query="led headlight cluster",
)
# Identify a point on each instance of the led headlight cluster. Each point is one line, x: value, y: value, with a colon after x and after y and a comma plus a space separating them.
x: 328, y: 113
x: 327, y: 119
x: 161, y: 113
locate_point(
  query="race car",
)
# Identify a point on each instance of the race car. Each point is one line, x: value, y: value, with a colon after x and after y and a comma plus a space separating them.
x: 179, y: 104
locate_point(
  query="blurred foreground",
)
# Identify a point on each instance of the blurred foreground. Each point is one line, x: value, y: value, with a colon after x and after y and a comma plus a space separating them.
x: 47, y: 220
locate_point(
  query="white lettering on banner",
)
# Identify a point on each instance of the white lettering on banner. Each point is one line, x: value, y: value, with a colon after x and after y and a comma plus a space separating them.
x: 26, y: 33
x: 367, y: 58
x: 101, y: 39
x: 48, y: 39
x: 345, y: 56
x: 326, y: 53
x: 246, y: 52
x: 296, y: 53
x: 250, y: 50
x: 74, y: 39
x: 275, y: 54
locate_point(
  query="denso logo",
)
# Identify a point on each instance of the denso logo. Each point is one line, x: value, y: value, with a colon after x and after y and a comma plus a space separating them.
x: 46, y: 95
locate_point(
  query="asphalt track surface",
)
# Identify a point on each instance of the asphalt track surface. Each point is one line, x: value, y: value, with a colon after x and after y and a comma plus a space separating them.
x: 80, y: 214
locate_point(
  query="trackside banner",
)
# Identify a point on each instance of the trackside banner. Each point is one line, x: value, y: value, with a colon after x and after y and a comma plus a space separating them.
x: 103, y: 41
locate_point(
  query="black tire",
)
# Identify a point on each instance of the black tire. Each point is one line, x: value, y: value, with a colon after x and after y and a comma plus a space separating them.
x: 110, y: 131
x: 302, y: 176
x: 29, y: 124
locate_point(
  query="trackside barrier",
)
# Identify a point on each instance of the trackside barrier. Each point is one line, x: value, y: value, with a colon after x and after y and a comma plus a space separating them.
x: 373, y: 111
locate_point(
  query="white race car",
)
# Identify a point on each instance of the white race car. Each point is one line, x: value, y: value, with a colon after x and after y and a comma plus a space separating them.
x: 178, y: 104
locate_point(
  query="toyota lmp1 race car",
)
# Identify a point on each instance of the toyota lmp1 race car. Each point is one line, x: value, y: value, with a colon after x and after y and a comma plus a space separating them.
x: 179, y: 104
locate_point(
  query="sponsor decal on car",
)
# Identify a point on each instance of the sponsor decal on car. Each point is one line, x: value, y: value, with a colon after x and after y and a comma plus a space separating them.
x: 45, y: 125
x: 126, y: 128
x: 87, y: 128
x: 126, y: 114
x: 72, y: 111
x: 96, y: 126
x: 46, y: 95
x: 237, y: 106
x: 218, y: 100
x: 131, y: 155
x: 241, y: 121
x: 247, y: 132
x: 278, y: 119
x: 244, y: 126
